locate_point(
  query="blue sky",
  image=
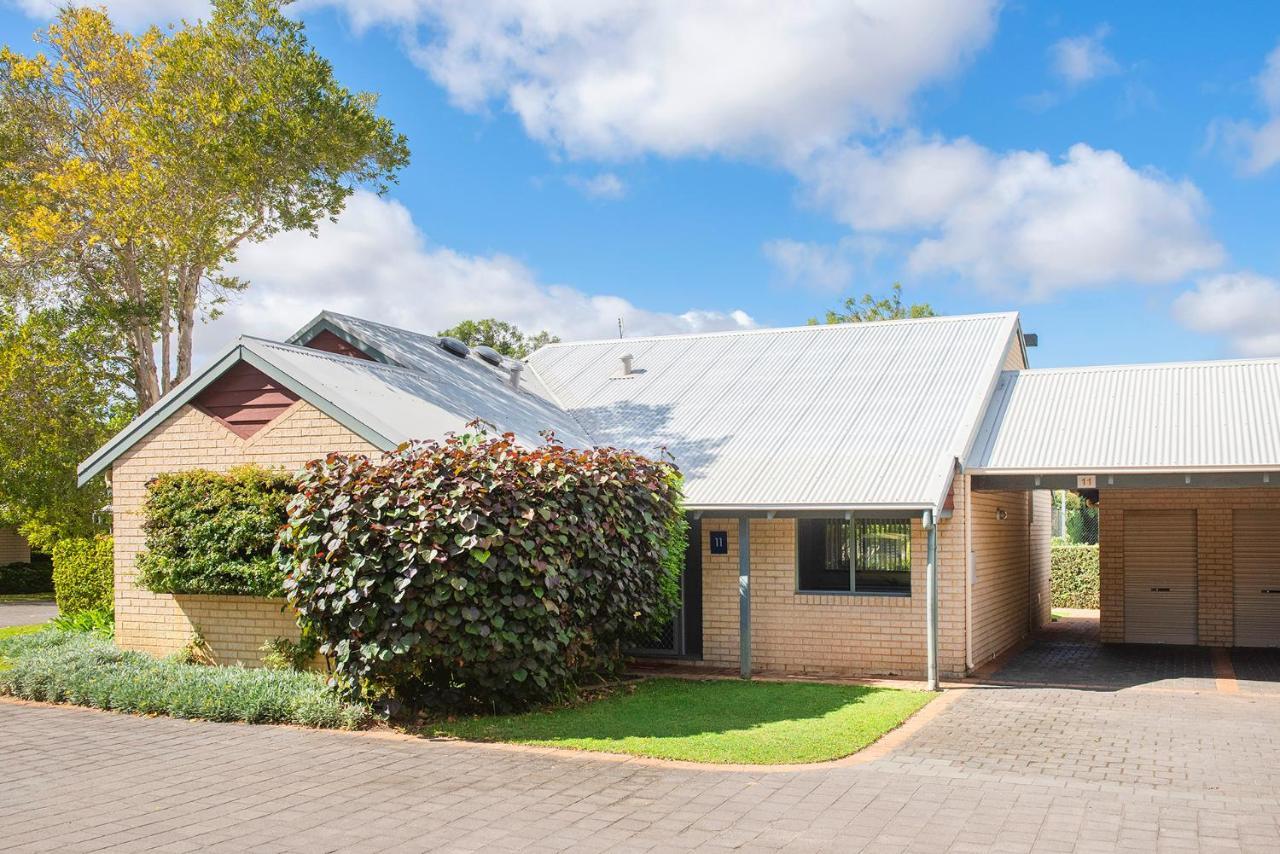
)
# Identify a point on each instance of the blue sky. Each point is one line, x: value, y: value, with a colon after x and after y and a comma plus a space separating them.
x: 1108, y: 170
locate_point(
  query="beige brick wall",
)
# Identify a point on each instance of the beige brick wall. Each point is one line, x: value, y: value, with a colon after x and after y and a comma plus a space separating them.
x: 234, y: 627
x: 1214, y: 509
x: 833, y: 634
x: 13, y: 547
x: 1010, y: 595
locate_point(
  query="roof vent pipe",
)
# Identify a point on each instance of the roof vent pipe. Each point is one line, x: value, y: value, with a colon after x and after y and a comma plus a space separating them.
x: 626, y: 359
x: 513, y: 374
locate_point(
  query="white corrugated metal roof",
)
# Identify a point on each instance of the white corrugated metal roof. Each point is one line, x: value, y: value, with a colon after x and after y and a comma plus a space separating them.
x: 402, y: 403
x: 1172, y: 417
x: 855, y: 415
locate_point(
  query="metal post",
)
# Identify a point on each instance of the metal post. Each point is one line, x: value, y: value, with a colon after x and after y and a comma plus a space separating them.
x: 744, y: 596
x: 931, y: 600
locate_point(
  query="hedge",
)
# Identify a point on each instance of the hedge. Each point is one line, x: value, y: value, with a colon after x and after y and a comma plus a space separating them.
x: 1074, y: 575
x: 85, y: 669
x: 475, y: 573
x: 213, y: 533
x: 83, y: 571
x: 33, y: 577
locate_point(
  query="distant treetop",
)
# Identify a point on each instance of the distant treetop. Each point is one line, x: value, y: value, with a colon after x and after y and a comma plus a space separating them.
x: 506, y: 338
x: 869, y: 309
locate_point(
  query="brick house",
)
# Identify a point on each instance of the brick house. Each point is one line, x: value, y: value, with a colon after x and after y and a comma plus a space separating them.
x: 856, y: 502
x: 13, y: 547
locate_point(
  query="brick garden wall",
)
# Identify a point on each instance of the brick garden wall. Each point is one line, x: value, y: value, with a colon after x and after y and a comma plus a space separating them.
x: 1214, y: 509
x: 1010, y: 595
x: 234, y: 627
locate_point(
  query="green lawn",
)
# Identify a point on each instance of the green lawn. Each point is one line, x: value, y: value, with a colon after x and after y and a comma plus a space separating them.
x: 14, y: 631
x: 719, y: 721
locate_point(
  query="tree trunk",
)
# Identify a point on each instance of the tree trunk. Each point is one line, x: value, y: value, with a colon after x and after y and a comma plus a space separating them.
x: 145, y: 382
x: 189, y: 289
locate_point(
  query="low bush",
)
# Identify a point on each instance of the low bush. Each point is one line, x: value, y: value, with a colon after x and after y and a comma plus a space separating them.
x: 83, y: 571
x: 86, y: 670
x: 98, y: 621
x: 476, y: 573
x: 213, y: 533
x: 33, y: 577
x: 1074, y: 575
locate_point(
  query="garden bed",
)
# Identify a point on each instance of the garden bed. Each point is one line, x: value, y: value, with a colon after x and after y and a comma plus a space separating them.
x: 712, y: 721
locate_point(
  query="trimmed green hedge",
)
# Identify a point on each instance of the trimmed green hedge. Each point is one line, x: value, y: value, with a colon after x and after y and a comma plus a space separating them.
x: 33, y: 577
x: 1074, y: 575
x: 85, y: 669
x: 83, y: 572
x: 213, y: 533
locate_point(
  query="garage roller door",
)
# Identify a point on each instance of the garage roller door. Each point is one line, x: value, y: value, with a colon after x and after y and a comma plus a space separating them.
x: 1256, y: 553
x: 1160, y: 576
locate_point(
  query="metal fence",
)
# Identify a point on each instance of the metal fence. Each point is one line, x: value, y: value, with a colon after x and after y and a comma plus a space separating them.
x: 1075, y: 518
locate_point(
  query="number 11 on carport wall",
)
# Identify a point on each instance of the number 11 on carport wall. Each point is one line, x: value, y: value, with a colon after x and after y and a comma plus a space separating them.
x: 719, y: 542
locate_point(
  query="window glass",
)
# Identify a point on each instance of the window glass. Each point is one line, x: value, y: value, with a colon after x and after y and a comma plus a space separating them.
x: 883, y: 556
x: 822, y: 555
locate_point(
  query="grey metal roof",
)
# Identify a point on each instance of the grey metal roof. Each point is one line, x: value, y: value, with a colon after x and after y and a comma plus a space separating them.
x: 855, y: 415
x: 403, y: 347
x: 1195, y: 416
x: 385, y: 404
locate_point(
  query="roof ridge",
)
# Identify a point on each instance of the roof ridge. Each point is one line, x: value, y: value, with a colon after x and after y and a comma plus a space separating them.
x: 1152, y: 366
x: 764, y: 330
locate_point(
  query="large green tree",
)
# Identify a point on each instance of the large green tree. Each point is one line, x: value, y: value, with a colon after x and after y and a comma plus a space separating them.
x: 132, y: 167
x: 506, y: 338
x: 871, y: 308
x: 59, y: 394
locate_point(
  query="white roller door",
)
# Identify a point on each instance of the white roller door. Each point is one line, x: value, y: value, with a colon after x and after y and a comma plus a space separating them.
x: 1160, y: 576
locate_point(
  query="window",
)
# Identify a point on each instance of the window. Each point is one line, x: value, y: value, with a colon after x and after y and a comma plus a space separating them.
x: 862, y: 556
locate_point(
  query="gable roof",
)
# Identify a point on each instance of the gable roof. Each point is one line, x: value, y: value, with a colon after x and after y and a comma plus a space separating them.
x: 382, y: 403
x: 1190, y: 416
x: 849, y: 416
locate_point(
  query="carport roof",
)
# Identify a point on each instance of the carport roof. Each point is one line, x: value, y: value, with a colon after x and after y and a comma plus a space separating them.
x: 1178, y: 417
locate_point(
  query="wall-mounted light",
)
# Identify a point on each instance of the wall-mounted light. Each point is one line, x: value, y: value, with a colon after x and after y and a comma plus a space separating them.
x: 1001, y: 514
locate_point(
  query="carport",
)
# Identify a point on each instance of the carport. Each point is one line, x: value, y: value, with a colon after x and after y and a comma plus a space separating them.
x: 1185, y: 459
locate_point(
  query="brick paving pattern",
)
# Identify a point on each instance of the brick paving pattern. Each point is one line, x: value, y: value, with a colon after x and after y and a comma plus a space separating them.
x: 1004, y: 769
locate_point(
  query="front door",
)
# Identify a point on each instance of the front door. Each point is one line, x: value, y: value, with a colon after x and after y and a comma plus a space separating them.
x: 1160, y: 576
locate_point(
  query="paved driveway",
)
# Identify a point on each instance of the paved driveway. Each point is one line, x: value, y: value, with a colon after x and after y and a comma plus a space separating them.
x: 1023, y: 768
x: 26, y: 612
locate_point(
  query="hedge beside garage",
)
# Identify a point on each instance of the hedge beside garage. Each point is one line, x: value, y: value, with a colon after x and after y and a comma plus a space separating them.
x: 1074, y: 575
x: 83, y: 573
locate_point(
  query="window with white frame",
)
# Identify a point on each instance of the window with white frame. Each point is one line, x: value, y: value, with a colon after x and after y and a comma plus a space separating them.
x: 836, y: 555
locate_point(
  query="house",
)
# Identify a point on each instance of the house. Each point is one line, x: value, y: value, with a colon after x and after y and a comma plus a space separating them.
x: 13, y: 547
x: 865, y: 498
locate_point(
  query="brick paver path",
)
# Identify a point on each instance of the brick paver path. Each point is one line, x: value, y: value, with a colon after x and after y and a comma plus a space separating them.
x: 1003, y: 769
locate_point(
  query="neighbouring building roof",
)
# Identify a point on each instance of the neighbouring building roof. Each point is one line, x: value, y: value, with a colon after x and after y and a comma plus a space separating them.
x: 848, y: 416
x: 1197, y: 416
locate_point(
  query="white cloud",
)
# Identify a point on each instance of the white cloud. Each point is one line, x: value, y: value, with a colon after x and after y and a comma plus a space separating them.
x: 1244, y: 307
x: 615, y: 78
x: 1081, y: 59
x: 127, y: 13
x: 605, y: 185
x: 823, y: 267
x: 1004, y: 219
x: 375, y: 263
x: 1255, y: 147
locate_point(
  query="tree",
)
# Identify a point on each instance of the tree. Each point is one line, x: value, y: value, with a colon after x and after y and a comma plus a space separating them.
x: 133, y: 166
x: 869, y: 308
x: 59, y: 392
x: 504, y: 337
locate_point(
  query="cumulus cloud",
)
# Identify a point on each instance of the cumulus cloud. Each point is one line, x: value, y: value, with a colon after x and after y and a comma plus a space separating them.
x: 1003, y: 219
x: 374, y: 262
x: 1255, y: 146
x: 1243, y: 307
x: 128, y: 13
x: 605, y: 185
x: 1082, y: 59
x: 615, y: 78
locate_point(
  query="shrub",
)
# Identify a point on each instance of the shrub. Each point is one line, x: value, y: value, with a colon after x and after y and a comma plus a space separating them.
x: 213, y: 533
x: 474, y: 573
x: 1074, y: 575
x: 98, y: 621
x: 86, y: 670
x: 83, y: 572
x: 33, y: 577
